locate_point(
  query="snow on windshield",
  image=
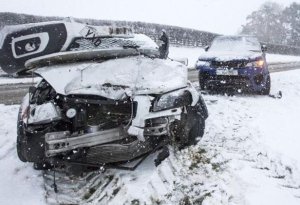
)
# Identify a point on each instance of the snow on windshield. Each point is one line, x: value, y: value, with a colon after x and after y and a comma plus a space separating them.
x: 235, y: 43
x: 137, y: 41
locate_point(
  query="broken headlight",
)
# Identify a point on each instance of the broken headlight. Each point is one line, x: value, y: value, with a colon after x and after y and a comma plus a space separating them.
x: 42, y: 114
x: 43, y: 93
x: 171, y: 100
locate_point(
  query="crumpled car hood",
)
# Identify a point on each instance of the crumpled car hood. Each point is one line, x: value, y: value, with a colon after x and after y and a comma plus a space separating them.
x: 229, y: 56
x: 116, y: 78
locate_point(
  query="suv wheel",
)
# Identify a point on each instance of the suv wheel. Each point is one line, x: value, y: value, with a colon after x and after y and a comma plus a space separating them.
x: 267, y: 88
x: 202, y: 81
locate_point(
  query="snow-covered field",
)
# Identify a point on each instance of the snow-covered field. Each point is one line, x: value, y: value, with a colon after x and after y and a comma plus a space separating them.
x: 249, y: 155
x: 193, y: 53
x: 4, y: 79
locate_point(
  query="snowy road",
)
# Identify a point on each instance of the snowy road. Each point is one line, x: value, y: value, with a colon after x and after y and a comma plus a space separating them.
x: 249, y: 155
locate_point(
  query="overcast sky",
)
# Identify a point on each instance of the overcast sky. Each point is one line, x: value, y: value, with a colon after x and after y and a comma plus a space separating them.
x: 219, y: 16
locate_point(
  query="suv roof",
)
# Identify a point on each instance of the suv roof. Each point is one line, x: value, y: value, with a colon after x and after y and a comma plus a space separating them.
x: 234, y: 43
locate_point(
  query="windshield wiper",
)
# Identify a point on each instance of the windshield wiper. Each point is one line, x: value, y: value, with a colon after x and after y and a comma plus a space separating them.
x: 255, y: 50
x: 140, y: 51
x: 131, y: 46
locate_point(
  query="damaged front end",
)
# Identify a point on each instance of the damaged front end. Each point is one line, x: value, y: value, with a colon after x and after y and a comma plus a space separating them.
x: 95, y: 131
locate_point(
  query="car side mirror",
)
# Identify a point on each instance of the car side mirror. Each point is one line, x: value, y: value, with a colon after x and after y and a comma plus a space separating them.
x: 264, y: 48
x: 206, y: 48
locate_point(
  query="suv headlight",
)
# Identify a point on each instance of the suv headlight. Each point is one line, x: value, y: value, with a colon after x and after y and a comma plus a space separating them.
x: 257, y: 64
x: 171, y: 100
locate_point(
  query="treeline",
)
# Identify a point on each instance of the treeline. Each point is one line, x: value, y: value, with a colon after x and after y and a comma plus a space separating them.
x: 178, y: 36
x: 275, y: 24
x: 266, y: 28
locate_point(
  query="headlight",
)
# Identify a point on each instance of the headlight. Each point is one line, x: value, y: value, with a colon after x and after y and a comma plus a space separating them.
x: 171, y: 100
x: 44, y: 113
x: 256, y: 64
x: 202, y: 63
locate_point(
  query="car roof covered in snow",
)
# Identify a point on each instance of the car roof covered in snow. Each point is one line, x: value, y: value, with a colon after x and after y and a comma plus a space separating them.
x: 233, y: 47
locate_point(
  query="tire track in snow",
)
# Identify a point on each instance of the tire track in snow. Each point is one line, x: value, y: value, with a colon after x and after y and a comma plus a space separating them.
x: 241, y: 140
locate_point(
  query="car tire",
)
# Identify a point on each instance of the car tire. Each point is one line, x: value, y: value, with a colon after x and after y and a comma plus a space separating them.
x: 196, y: 132
x: 28, y: 151
x: 188, y: 134
x: 201, y: 81
x: 20, y: 150
x: 267, y: 88
x: 20, y: 143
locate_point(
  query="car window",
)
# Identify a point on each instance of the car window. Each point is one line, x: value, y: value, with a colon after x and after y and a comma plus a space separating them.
x: 234, y: 43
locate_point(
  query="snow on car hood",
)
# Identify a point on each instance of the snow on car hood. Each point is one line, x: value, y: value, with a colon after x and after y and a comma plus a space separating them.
x: 116, y: 78
x: 228, y: 56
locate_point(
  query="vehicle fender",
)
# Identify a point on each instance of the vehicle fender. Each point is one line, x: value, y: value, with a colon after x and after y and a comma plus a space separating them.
x: 198, y: 102
x: 201, y: 107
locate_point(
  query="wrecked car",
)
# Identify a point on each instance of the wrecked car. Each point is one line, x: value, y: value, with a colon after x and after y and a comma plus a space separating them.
x: 234, y: 62
x: 104, y: 105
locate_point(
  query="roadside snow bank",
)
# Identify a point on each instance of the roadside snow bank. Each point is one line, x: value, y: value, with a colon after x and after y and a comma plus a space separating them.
x: 259, y: 136
x: 184, y: 52
x: 276, y: 58
x: 278, y: 121
x: 5, y: 79
x: 193, y: 53
x: 19, y: 183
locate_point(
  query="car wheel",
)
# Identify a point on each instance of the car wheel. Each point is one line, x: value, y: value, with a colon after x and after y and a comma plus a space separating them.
x: 267, y: 88
x: 197, y: 131
x: 28, y: 150
x: 20, y: 143
x: 201, y: 81
x: 188, y: 133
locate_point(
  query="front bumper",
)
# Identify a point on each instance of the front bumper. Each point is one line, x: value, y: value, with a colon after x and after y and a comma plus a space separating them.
x: 249, y: 78
x: 61, y: 142
x: 147, y: 130
x: 228, y: 81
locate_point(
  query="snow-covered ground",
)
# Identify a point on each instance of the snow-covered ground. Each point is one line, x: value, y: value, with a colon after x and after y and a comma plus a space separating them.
x: 248, y: 155
x: 5, y: 79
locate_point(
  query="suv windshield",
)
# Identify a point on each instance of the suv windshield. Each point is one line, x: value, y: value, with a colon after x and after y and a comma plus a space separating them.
x: 235, y: 44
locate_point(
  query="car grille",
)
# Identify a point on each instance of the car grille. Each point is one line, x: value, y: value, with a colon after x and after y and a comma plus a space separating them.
x: 224, y: 80
x: 229, y: 64
x: 95, y: 110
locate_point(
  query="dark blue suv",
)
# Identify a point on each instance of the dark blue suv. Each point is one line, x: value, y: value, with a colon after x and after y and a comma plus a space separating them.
x: 235, y: 62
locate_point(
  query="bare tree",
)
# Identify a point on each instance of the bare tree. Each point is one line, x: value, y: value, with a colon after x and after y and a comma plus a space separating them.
x: 291, y: 17
x: 267, y: 24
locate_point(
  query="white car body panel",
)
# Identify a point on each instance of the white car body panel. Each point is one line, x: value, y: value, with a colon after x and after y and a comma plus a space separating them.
x: 117, y: 78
